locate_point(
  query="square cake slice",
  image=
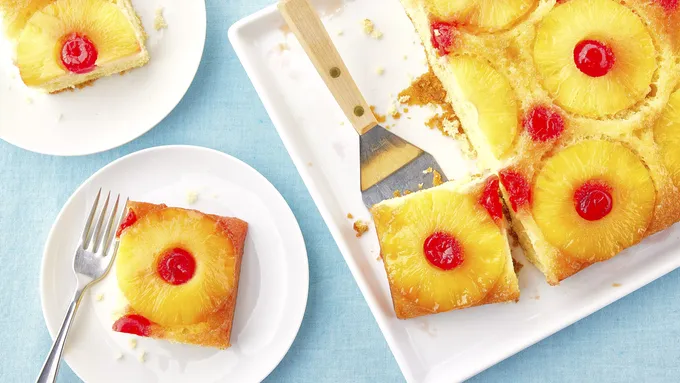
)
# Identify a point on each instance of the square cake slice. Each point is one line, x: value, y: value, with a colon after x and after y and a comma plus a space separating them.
x: 576, y: 112
x: 446, y: 248
x: 61, y: 44
x: 179, y: 271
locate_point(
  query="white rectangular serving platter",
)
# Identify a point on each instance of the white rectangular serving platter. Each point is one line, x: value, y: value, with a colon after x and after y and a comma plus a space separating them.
x: 440, y: 348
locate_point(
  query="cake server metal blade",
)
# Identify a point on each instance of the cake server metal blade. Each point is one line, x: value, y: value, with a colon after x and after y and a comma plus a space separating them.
x: 390, y: 164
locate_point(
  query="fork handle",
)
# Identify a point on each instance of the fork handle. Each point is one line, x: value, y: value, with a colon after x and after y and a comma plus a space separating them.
x: 309, y: 30
x: 51, y: 366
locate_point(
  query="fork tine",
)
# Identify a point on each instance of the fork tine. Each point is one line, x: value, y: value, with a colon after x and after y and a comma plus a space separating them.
x: 97, y: 236
x: 110, y: 227
x: 86, y: 232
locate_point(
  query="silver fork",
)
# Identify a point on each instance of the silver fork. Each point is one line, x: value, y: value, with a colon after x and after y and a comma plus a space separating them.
x: 93, y: 259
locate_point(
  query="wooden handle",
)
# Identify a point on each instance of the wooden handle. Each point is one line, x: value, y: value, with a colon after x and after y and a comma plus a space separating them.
x: 307, y: 27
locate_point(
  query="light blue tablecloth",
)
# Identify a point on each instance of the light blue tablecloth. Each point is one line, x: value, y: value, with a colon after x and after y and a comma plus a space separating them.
x: 634, y: 340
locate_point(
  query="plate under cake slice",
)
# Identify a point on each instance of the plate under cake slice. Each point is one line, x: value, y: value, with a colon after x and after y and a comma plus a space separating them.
x: 446, y: 248
x: 179, y: 271
x: 575, y: 105
x: 62, y: 44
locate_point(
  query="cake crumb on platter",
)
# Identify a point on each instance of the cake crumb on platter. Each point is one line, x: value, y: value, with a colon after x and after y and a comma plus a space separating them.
x: 517, y: 266
x: 428, y: 170
x: 371, y: 30
x: 99, y: 297
x: 380, y: 71
x: 360, y: 227
x: 133, y: 343
x: 142, y: 356
x: 191, y: 197
x: 436, y: 178
x: 159, y: 20
x: 379, y: 117
x: 616, y: 285
x: 118, y: 356
x: 350, y: 216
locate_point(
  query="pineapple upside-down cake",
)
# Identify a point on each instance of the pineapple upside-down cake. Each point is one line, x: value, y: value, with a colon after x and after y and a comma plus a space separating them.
x: 575, y: 105
x: 179, y: 271
x: 60, y: 44
x: 446, y: 248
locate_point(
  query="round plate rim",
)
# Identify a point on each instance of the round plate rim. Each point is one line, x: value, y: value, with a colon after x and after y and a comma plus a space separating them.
x: 161, y: 116
x: 256, y: 173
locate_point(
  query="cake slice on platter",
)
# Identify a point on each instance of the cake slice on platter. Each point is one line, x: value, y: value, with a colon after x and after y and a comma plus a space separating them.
x: 64, y: 44
x: 446, y: 248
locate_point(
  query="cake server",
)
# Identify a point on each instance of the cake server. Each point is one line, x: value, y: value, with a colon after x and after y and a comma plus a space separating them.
x: 388, y: 162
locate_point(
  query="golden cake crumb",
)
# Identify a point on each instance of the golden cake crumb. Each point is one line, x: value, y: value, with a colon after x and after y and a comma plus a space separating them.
x: 616, y: 285
x: 133, y: 343
x: 349, y: 216
x: 428, y: 170
x: 380, y: 70
x: 426, y: 89
x: 379, y: 117
x: 142, y: 356
x: 407, y: 192
x: 371, y: 30
x: 191, y: 197
x: 420, y: 186
x: 392, y: 110
x: 341, y: 32
x: 99, y: 297
x: 436, y: 178
x: 159, y: 21
x: 360, y: 227
x: 397, y: 193
x: 517, y: 265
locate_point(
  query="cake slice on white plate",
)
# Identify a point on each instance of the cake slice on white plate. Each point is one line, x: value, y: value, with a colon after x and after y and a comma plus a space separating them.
x: 64, y: 44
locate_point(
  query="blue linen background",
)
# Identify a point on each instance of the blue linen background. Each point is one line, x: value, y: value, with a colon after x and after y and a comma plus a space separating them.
x: 633, y: 340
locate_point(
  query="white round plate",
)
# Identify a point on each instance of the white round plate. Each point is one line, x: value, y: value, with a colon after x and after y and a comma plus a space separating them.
x: 114, y: 110
x: 272, y: 291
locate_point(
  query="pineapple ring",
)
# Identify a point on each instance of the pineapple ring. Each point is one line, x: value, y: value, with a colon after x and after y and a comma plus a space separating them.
x: 137, y: 266
x: 489, y: 15
x: 103, y: 22
x: 495, y: 109
x: 605, y: 21
x: 632, y: 191
x: 406, y: 227
x: 667, y: 136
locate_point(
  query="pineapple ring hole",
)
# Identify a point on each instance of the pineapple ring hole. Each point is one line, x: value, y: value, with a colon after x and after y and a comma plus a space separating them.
x: 443, y: 250
x: 78, y: 53
x: 176, y: 266
x: 593, y: 200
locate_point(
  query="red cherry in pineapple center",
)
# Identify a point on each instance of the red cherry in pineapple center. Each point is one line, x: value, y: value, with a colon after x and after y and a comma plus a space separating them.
x: 133, y: 324
x: 543, y: 123
x: 78, y: 53
x: 176, y: 266
x: 443, y: 251
x: 443, y: 37
x: 593, y: 200
x: 594, y: 58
